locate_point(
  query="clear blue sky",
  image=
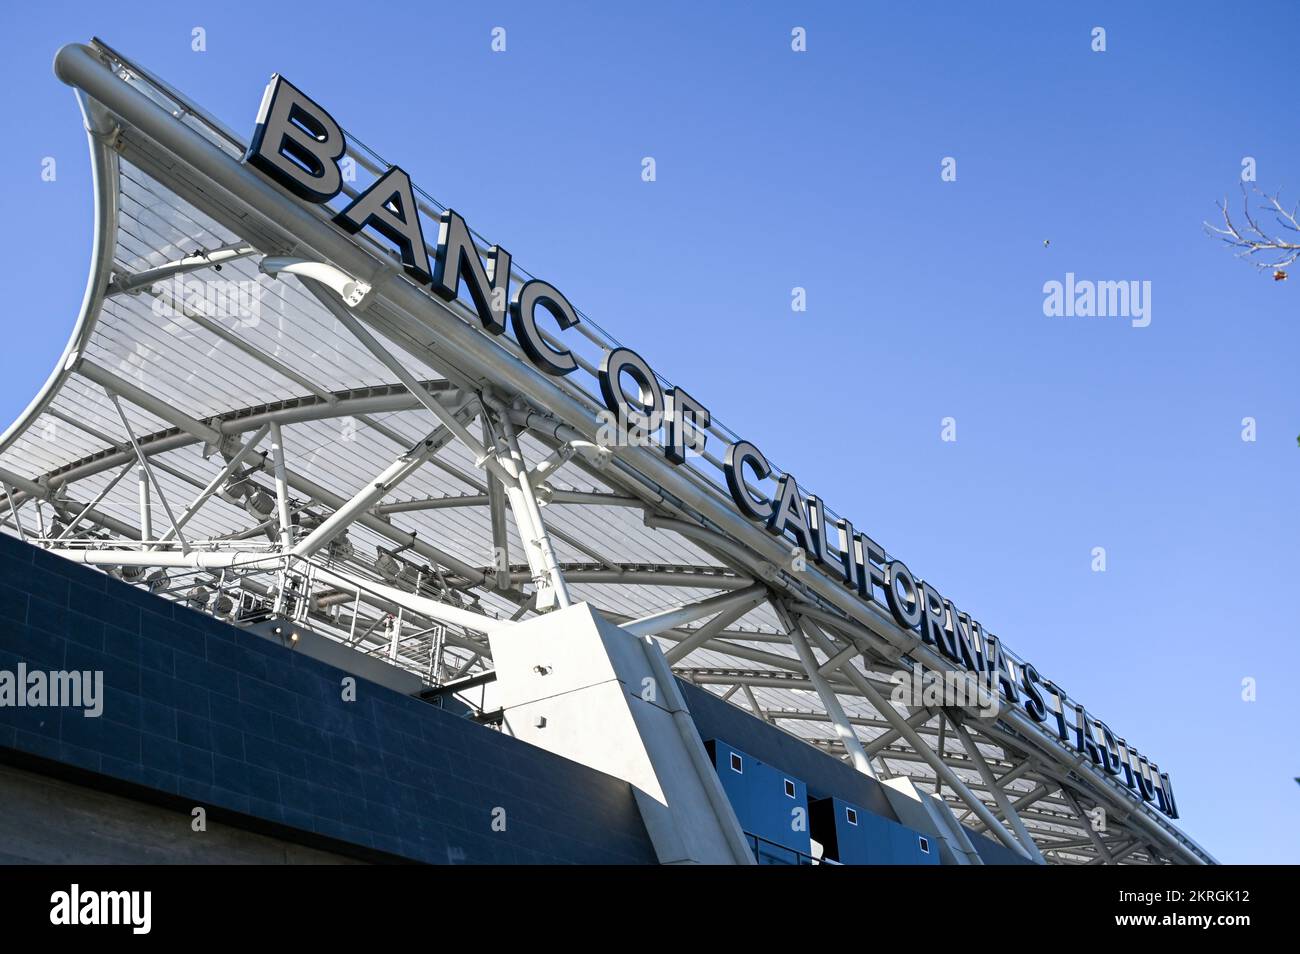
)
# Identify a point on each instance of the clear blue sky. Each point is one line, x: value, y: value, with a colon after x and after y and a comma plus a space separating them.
x: 821, y: 170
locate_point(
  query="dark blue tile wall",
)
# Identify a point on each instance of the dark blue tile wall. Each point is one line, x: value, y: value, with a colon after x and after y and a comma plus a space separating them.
x: 199, y: 709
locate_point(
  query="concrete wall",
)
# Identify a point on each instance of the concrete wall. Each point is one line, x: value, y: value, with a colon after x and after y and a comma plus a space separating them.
x: 197, y: 711
x: 49, y: 821
x: 578, y: 685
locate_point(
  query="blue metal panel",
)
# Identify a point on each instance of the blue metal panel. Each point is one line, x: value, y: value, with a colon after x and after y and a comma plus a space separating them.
x: 853, y: 836
x: 772, y: 807
x: 824, y: 774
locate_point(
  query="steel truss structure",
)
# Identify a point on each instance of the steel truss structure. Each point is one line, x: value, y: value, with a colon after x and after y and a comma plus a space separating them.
x: 262, y: 417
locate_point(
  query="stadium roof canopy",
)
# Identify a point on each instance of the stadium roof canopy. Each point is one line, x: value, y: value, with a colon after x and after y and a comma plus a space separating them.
x: 224, y: 429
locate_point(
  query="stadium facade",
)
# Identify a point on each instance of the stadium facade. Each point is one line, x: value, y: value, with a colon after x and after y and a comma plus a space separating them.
x: 370, y: 543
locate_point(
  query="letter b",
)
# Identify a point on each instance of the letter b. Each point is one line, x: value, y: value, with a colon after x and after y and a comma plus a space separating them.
x: 297, y: 143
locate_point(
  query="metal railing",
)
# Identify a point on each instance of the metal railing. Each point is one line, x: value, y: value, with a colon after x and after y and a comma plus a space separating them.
x: 767, y: 852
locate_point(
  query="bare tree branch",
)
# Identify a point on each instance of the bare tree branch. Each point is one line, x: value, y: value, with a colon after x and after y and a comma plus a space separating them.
x: 1252, y: 239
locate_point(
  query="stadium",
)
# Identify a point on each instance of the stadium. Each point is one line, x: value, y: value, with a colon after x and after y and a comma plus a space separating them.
x: 384, y: 550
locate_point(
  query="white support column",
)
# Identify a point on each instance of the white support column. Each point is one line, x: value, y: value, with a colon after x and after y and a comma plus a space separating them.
x: 881, y: 742
x: 372, y: 344
x: 497, y: 514
x: 126, y: 284
x: 148, y: 472
x: 943, y: 740
x: 918, y: 744
x: 371, y: 493
x: 1024, y: 801
x: 218, y: 480
x: 1117, y: 856
x: 1102, y: 851
x: 753, y: 704
x: 831, y: 703
x: 99, y: 498
x: 281, y: 487
x: 13, y: 511
x: 553, y: 579
x: 146, y: 511
x: 680, y: 615
x: 999, y: 796
x: 706, y: 632
x: 507, y: 465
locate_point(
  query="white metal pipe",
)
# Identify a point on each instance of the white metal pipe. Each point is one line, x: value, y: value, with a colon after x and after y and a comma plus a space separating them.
x: 350, y: 289
x: 706, y: 632
x: 141, y: 398
x: 922, y: 748
x: 680, y: 615
x: 999, y: 795
x: 281, y: 487
x: 174, y: 559
x: 495, y: 498
x: 72, y: 525
x: 146, y: 515
x: 831, y: 703
x: 35, y: 491
x: 534, y: 516
x: 391, y: 477
x: 149, y: 475
x: 442, y: 612
x: 125, y: 284
x: 372, y: 344
x: 425, y: 549
x: 1093, y: 838
x: 638, y: 577
x: 218, y: 480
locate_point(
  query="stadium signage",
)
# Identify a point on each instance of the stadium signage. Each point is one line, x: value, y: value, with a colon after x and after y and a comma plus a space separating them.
x: 299, y: 146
